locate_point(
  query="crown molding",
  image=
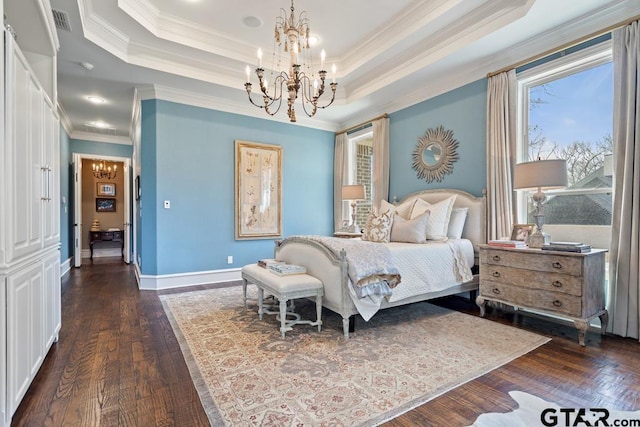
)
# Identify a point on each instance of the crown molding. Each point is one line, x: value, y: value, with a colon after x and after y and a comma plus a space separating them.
x: 98, y: 137
x: 65, y: 120
x: 180, y: 96
x: 99, y: 31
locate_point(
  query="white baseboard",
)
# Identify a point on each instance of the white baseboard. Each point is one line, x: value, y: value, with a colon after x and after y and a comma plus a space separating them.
x: 168, y: 281
x: 102, y: 252
x: 65, y: 267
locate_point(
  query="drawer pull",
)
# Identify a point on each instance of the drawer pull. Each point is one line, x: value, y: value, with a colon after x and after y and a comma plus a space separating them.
x: 557, y: 265
x: 557, y: 303
x: 496, y: 257
x: 496, y: 291
x: 496, y: 274
x: 557, y: 283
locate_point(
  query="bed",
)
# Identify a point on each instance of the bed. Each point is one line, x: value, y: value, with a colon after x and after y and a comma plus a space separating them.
x: 332, y: 266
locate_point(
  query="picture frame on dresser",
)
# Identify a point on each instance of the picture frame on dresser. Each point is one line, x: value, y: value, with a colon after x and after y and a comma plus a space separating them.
x: 521, y: 232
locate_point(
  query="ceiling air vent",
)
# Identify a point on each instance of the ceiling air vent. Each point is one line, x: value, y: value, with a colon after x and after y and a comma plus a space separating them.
x: 61, y: 19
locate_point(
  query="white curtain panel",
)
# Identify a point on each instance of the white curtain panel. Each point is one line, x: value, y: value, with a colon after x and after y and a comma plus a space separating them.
x: 501, y: 133
x: 624, y: 265
x: 339, y: 173
x: 380, y: 190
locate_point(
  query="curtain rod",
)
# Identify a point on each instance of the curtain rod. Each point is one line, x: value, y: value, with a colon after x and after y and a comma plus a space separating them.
x: 383, y: 116
x: 565, y: 46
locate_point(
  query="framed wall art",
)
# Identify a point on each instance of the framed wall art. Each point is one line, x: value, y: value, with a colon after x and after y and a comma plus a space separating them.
x: 106, y: 189
x: 105, y: 205
x: 258, y: 192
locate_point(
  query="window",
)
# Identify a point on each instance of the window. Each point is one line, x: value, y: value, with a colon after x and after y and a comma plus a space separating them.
x: 566, y: 111
x: 359, y: 166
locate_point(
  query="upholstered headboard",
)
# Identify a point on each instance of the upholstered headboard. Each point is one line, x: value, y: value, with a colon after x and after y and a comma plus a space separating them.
x: 475, y: 225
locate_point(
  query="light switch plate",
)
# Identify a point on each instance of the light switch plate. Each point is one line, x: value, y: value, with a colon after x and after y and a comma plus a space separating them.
x: 167, y: 204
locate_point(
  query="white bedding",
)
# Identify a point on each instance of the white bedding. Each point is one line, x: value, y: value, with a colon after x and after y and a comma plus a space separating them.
x: 424, y: 268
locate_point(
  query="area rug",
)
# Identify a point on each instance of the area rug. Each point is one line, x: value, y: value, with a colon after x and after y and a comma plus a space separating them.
x: 246, y: 374
x: 533, y: 411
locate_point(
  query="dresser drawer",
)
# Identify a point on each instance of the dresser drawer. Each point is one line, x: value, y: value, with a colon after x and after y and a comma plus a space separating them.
x: 555, y: 302
x: 533, y: 261
x: 541, y: 280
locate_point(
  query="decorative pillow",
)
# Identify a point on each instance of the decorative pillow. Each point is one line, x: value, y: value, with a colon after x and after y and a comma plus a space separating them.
x: 403, y: 209
x: 456, y: 222
x: 378, y: 228
x: 409, y: 230
x: 440, y: 213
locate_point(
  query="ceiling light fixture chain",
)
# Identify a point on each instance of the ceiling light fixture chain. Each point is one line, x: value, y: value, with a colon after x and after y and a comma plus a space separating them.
x: 300, y: 79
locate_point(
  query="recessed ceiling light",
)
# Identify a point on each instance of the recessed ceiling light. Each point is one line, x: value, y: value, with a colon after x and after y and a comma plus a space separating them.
x: 95, y: 99
x: 98, y: 124
x: 252, y: 22
x: 314, y: 39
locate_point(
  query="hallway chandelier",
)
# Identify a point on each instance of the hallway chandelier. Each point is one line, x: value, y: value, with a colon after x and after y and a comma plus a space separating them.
x: 102, y: 171
x: 299, y: 79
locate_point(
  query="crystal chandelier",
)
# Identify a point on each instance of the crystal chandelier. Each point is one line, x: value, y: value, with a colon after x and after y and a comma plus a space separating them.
x: 299, y: 79
x: 102, y: 171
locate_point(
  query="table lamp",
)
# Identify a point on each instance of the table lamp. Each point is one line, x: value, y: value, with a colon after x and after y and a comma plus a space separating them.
x: 353, y: 193
x: 540, y: 175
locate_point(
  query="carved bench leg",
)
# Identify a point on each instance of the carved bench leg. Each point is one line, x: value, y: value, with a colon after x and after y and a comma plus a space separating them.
x: 260, y: 302
x: 283, y: 317
x: 319, y: 311
x: 244, y: 291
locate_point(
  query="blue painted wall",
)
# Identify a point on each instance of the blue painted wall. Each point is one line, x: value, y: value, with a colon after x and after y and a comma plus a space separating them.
x: 464, y: 111
x: 100, y: 148
x: 187, y: 157
x: 66, y: 191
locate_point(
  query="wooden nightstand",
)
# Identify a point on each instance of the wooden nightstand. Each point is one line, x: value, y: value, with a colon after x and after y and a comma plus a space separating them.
x: 564, y: 284
x: 346, y: 235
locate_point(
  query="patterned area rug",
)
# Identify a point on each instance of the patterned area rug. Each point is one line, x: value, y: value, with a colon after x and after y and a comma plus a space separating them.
x: 246, y: 375
x: 533, y: 412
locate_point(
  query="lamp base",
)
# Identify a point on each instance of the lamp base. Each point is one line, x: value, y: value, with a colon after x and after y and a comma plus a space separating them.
x: 353, y: 228
x: 538, y: 239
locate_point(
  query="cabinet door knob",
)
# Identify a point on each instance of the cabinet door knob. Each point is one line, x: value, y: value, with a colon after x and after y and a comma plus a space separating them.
x: 496, y: 258
x: 557, y: 265
x: 557, y: 283
x: 496, y: 274
x: 496, y: 291
x: 557, y: 303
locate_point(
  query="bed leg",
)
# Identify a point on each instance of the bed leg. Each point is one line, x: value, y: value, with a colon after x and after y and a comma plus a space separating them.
x: 473, y: 295
x: 345, y: 327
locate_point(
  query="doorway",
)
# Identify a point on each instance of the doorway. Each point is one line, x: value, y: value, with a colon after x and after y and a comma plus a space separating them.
x: 101, y: 200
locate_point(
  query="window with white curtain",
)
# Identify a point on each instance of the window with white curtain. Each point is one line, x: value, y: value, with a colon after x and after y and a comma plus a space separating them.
x: 565, y: 110
x: 359, y: 168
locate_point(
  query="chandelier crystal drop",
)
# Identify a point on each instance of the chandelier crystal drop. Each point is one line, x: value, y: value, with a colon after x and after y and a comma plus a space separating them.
x: 104, y: 171
x: 292, y: 37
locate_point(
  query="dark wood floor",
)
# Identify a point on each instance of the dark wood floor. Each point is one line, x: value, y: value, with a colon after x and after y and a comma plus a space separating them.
x: 117, y: 363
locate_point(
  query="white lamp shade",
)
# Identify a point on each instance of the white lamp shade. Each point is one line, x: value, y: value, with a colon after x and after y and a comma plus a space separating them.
x: 353, y: 192
x: 540, y: 174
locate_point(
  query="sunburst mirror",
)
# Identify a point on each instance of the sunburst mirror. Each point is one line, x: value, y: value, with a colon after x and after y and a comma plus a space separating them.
x: 434, y: 154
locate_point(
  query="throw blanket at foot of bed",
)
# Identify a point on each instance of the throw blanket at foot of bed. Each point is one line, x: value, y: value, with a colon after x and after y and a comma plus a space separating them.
x: 371, y: 268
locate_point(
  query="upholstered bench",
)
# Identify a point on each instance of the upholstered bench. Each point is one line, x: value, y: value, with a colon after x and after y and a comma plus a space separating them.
x: 284, y: 288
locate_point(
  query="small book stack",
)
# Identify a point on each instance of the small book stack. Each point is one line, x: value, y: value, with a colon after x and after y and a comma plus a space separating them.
x: 287, y: 269
x: 567, y: 247
x: 266, y: 263
x: 507, y: 243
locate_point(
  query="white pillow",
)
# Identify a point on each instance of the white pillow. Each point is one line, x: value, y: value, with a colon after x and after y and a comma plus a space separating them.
x: 440, y: 213
x: 456, y: 222
x: 409, y: 230
x: 403, y: 209
x: 378, y: 228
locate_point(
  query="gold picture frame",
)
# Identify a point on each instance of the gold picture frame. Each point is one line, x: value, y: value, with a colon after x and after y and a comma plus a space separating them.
x: 105, y: 189
x: 258, y: 192
x: 521, y: 232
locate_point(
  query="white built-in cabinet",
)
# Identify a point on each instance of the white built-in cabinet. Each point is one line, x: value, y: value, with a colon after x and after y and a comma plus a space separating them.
x: 30, y: 228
